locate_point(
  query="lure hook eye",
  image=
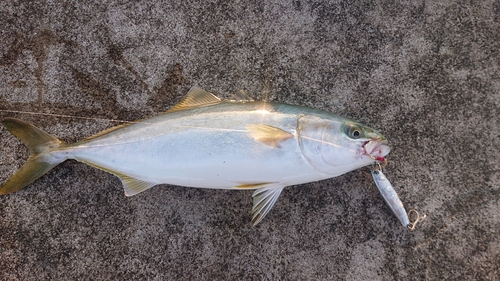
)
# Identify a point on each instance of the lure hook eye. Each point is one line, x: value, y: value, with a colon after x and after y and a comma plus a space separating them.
x: 378, y: 165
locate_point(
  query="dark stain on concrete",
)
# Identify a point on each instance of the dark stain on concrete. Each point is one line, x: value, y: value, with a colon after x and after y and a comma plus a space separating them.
x: 438, y: 107
x: 37, y: 45
x: 107, y: 106
x: 107, y: 100
x: 168, y: 90
x: 14, y: 51
x: 18, y: 84
x: 116, y: 54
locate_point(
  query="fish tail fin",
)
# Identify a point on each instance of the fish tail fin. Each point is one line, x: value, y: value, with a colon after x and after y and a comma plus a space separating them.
x: 39, y: 145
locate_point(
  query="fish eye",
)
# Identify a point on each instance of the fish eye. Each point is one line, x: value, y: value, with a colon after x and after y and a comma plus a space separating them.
x: 355, y: 132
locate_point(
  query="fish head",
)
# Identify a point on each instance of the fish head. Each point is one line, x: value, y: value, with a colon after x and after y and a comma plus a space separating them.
x: 337, y: 145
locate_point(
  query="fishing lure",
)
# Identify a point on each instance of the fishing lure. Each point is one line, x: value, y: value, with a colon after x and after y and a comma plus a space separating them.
x: 392, y: 199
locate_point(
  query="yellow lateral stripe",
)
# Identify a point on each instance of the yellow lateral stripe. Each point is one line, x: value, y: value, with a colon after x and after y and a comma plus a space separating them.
x: 252, y: 185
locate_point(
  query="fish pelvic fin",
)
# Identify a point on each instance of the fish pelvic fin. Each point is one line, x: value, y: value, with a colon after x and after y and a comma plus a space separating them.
x: 39, y: 144
x: 264, y: 200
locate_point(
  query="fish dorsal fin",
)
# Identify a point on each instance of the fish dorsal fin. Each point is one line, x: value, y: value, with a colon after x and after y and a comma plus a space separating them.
x: 240, y: 95
x: 267, y: 134
x: 263, y: 201
x: 194, y: 98
x: 133, y: 186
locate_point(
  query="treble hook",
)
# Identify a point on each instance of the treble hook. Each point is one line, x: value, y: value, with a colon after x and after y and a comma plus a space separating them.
x: 411, y: 225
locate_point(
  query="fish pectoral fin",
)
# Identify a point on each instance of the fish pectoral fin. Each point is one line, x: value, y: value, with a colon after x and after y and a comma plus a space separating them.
x: 263, y: 201
x: 133, y: 186
x: 267, y: 134
x: 194, y: 98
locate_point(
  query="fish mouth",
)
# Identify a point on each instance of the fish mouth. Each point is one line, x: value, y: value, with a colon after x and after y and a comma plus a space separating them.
x: 377, y: 149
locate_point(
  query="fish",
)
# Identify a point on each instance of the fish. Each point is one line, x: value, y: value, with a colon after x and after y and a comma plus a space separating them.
x: 391, y: 198
x: 208, y: 142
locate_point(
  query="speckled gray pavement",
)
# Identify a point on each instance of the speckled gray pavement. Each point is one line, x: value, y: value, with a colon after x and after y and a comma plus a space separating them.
x: 425, y: 74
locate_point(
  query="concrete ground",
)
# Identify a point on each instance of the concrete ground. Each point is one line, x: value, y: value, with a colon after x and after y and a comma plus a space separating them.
x: 425, y: 74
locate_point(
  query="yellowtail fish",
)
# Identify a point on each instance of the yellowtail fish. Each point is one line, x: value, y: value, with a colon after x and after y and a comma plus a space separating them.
x: 211, y: 143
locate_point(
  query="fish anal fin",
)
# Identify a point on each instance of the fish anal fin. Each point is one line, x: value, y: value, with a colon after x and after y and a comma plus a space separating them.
x: 263, y: 201
x: 267, y: 134
x: 194, y: 98
x: 133, y: 186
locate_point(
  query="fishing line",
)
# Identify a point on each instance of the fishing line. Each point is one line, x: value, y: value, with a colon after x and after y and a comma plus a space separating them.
x: 65, y: 116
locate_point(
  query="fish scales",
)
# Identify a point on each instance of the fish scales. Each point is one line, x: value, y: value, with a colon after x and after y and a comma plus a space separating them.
x: 209, y: 148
